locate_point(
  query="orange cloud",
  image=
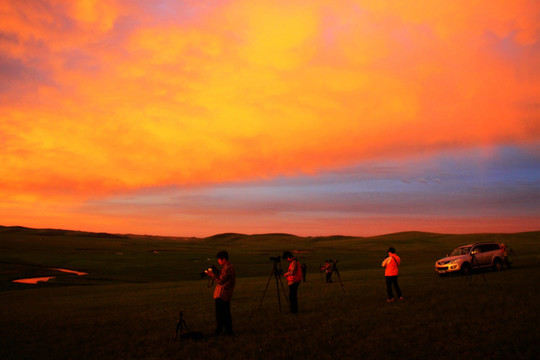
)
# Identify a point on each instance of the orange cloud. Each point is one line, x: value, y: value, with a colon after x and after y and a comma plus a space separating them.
x: 104, y: 96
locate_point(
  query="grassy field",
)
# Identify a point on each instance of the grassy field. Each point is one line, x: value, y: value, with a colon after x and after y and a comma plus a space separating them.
x: 127, y: 306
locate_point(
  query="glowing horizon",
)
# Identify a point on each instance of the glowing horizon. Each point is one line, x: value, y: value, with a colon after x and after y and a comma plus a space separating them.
x: 137, y: 117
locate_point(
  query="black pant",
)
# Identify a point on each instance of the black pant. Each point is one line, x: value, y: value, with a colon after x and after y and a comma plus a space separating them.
x: 329, y: 277
x: 223, y: 316
x: 293, y: 297
x: 392, y: 280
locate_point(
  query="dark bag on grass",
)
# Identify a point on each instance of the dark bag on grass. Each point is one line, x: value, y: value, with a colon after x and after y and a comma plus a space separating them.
x: 192, y: 335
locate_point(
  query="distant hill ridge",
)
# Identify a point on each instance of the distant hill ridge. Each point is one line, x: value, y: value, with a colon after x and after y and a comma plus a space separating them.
x: 229, y: 236
x: 224, y: 236
x: 60, y: 232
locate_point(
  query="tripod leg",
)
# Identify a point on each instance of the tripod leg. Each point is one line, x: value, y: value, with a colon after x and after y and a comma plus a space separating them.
x: 264, y: 293
x: 340, y: 282
x: 178, y: 326
x: 278, y: 296
x: 469, y: 275
x: 284, y: 291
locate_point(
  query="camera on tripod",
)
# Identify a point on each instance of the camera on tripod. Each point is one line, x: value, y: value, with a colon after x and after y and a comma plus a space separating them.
x: 276, y: 273
x: 212, y: 269
x: 330, y: 267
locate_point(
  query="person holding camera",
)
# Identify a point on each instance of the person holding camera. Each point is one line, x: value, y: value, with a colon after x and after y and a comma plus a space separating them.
x: 327, y: 268
x: 391, y: 265
x: 225, y: 281
x: 294, y: 277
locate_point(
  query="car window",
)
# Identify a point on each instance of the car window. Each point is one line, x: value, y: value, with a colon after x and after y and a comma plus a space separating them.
x: 460, y: 251
x: 489, y: 247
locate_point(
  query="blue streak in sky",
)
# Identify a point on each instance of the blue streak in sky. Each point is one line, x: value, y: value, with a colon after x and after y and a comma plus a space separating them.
x: 503, y: 181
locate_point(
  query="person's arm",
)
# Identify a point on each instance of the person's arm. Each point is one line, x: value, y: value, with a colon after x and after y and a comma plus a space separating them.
x: 292, y: 268
x: 385, y: 262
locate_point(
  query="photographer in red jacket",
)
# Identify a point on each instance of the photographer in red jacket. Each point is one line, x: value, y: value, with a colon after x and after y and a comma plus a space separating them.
x: 391, y: 265
x: 294, y: 277
x: 225, y: 282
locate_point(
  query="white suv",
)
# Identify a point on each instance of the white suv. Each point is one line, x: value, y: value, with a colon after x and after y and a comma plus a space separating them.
x: 468, y: 257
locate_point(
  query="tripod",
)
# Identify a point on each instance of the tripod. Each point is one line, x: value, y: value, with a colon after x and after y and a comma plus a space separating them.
x: 470, y: 270
x: 196, y: 335
x: 180, y: 326
x: 334, y: 268
x: 276, y: 273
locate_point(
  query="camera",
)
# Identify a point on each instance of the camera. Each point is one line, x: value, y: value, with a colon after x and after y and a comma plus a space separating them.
x: 276, y: 259
x: 212, y: 269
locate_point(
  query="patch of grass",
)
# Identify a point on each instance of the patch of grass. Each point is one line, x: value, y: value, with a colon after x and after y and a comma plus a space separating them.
x: 128, y: 305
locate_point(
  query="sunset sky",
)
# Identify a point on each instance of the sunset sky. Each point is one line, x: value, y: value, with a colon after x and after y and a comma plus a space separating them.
x: 192, y: 118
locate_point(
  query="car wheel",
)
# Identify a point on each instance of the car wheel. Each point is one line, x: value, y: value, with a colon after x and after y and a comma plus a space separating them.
x: 466, y: 269
x: 497, y: 265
